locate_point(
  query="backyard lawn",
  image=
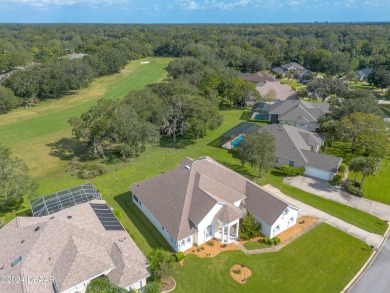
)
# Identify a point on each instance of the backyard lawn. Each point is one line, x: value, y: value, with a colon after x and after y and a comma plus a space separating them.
x: 322, y: 260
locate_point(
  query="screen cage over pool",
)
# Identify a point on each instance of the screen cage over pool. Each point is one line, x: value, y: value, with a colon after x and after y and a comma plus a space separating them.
x: 239, y: 129
x: 48, y: 204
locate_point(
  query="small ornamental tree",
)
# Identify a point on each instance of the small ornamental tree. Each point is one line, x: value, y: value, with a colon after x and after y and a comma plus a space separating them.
x: 249, y: 227
x: 160, y: 263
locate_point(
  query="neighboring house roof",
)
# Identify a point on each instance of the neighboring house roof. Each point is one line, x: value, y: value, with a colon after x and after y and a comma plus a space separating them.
x: 71, y: 246
x: 292, y: 66
x: 260, y: 77
x: 181, y: 198
x: 302, y: 71
x: 322, y: 161
x: 283, y: 91
x: 300, y: 146
x: 299, y: 111
x: 363, y: 72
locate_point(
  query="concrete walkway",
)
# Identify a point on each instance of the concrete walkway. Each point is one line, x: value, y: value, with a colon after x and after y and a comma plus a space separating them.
x: 326, y: 190
x: 306, y: 210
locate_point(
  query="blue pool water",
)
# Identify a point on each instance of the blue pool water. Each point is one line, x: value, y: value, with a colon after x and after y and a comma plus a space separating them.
x: 237, y: 141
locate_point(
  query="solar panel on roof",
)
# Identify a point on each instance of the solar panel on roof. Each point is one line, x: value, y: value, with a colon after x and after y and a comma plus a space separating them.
x: 106, y: 217
x: 63, y: 199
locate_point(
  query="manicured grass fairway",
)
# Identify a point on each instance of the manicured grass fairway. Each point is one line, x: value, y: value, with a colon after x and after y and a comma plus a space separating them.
x: 28, y: 132
x: 322, y: 260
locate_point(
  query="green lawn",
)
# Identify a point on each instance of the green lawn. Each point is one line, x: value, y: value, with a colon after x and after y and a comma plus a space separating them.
x: 322, y: 260
x: 350, y: 215
x: 255, y: 245
x: 377, y: 187
x: 32, y: 133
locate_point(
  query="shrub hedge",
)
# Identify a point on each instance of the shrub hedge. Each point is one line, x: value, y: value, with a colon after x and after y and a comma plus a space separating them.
x: 291, y: 171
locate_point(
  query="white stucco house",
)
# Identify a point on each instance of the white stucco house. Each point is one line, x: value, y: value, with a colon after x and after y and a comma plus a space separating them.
x: 202, y: 199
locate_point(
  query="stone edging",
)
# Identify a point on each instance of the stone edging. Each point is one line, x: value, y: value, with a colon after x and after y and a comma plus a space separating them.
x: 278, y: 247
x: 173, y: 286
x: 368, y: 262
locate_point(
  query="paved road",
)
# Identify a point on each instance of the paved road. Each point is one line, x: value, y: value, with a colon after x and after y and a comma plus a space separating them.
x: 376, y: 278
x: 324, y: 189
x: 306, y: 210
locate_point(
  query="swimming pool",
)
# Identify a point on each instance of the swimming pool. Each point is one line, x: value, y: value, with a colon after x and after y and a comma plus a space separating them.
x: 237, y: 141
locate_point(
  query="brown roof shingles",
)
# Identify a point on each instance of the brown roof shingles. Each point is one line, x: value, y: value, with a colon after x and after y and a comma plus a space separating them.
x: 69, y: 250
x: 208, y: 183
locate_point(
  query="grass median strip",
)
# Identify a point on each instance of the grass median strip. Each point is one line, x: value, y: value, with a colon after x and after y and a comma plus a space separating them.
x: 350, y: 215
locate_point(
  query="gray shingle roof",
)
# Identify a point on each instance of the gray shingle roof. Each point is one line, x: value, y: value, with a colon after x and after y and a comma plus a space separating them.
x: 295, y: 110
x: 71, y: 250
x: 255, y: 203
x: 299, y: 145
x: 183, y: 196
x: 259, y: 77
x: 292, y: 66
x: 322, y: 161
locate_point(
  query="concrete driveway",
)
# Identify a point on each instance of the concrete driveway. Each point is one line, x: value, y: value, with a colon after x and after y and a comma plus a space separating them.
x: 376, y: 278
x: 306, y: 210
x: 326, y: 190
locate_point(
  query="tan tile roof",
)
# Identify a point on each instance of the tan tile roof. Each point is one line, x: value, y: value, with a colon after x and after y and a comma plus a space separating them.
x: 71, y: 250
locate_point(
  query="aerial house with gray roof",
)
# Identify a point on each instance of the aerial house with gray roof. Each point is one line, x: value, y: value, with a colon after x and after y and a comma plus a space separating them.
x: 62, y: 251
x: 202, y: 199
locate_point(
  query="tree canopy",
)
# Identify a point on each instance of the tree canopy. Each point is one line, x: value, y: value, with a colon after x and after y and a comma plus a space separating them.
x: 259, y: 150
x: 15, y: 183
x: 369, y: 134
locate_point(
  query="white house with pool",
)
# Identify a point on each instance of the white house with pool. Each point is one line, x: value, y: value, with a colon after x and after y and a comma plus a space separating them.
x: 202, y: 199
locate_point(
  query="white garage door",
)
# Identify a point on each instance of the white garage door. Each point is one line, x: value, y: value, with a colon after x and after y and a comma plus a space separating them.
x: 317, y: 173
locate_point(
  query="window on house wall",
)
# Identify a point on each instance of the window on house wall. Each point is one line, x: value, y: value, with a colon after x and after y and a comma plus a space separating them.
x: 291, y: 163
x: 291, y: 219
x: 189, y: 240
x: 135, y: 198
x: 277, y: 228
x: 209, y: 231
x: 285, y: 212
x: 183, y: 243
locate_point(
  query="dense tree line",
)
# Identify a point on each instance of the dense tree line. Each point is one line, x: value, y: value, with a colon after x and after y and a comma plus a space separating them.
x: 127, y: 127
x: 207, y: 52
x: 58, y: 77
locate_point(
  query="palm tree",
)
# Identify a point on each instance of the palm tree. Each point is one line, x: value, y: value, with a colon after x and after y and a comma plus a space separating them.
x: 369, y: 167
x: 356, y: 165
